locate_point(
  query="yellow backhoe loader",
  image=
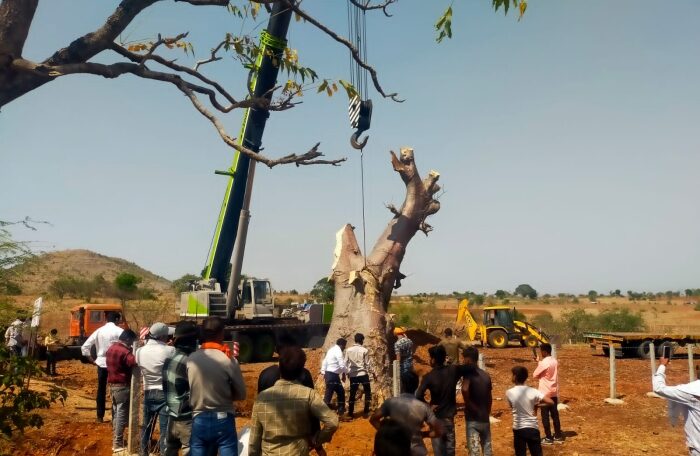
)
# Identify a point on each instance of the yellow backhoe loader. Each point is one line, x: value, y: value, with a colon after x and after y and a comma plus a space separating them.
x: 499, y: 327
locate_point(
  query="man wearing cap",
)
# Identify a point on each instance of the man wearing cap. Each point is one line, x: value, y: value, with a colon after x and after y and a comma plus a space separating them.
x: 683, y: 400
x: 176, y: 388
x: 151, y: 358
x: 403, y: 347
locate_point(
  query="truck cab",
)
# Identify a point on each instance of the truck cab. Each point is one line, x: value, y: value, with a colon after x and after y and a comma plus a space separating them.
x: 87, y: 318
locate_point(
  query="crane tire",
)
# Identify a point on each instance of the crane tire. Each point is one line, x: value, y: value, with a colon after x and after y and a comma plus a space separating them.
x: 264, y: 347
x: 245, y: 349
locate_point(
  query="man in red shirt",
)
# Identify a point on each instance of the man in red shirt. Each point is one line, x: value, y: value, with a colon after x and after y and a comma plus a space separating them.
x: 547, y: 372
x: 120, y: 361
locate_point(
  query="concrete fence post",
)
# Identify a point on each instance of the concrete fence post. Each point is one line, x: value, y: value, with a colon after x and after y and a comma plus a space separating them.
x: 613, y: 393
x: 481, y: 363
x: 133, y: 436
x: 396, y: 379
x: 691, y: 363
x: 554, y: 351
x: 652, y: 358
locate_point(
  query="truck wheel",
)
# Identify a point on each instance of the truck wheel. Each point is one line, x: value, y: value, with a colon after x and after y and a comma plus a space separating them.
x: 264, y: 347
x: 644, y: 349
x: 498, y: 338
x: 245, y: 349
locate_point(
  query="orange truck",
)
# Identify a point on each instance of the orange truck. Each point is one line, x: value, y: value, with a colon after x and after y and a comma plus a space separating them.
x: 87, y: 318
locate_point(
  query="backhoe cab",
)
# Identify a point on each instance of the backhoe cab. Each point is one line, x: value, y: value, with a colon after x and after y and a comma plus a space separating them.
x: 499, y: 327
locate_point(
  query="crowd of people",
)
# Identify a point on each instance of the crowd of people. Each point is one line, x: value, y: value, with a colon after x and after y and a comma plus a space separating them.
x: 188, y: 392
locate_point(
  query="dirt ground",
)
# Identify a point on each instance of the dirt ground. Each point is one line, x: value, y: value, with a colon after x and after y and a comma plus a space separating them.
x: 638, y: 427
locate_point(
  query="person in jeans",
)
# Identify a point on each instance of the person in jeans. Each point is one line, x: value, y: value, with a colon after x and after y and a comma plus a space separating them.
x: 358, y: 364
x: 524, y: 400
x: 176, y: 389
x: 150, y: 359
x: 332, y: 367
x: 411, y: 414
x: 441, y: 383
x: 101, y: 339
x: 120, y: 362
x: 477, y: 395
x: 215, y: 382
x: 547, y: 372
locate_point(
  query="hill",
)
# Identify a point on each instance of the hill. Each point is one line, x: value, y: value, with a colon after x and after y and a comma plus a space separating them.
x: 36, y: 276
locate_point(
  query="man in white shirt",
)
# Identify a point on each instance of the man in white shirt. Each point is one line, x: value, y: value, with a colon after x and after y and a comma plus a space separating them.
x: 686, y: 396
x: 150, y: 359
x: 101, y: 339
x: 332, y: 367
x: 357, y: 362
x: 13, y: 336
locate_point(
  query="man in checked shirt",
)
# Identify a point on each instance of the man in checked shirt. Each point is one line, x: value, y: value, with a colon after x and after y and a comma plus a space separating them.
x: 280, y: 424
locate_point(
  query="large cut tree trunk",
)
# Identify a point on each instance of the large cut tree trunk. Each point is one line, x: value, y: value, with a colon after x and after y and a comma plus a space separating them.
x: 363, y: 285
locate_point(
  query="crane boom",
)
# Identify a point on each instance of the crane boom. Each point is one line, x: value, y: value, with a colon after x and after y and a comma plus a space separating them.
x: 234, y: 208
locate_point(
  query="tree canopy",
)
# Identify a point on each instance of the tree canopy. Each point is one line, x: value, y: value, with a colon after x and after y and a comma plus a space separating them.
x: 103, y: 52
x: 323, y: 290
x: 526, y: 291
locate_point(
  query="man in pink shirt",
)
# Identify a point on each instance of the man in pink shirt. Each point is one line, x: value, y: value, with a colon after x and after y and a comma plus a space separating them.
x: 547, y: 373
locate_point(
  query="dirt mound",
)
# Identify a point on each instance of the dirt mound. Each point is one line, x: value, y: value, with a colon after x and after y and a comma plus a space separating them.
x: 420, y: 337
x: 36, y: 276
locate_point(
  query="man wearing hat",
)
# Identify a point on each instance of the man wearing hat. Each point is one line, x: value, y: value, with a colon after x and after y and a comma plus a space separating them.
x: 403, y: 347
x: 176, y: 388
x: 151, y: 358
x: 683, y: 400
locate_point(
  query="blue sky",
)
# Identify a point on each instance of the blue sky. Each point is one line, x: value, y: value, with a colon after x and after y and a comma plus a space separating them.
x: 567, y: 145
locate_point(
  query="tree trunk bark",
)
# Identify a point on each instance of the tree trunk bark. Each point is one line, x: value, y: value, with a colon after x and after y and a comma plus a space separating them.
x: 363, y: 285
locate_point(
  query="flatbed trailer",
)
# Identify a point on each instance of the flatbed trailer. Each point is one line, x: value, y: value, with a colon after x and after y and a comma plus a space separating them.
x: 637, y: 344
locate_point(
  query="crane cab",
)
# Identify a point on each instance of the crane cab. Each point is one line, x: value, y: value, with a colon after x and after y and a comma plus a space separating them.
x: 256, y: 299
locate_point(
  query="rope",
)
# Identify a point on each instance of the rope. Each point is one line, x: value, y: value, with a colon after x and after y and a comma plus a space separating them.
x: 364, y: 228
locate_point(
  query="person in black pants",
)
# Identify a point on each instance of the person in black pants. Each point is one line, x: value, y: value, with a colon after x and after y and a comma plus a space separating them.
x: 332, y: 368
x: 524, y: 400
x: 358, y: 364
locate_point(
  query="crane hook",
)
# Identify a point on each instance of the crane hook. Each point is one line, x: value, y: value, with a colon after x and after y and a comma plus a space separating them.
x: 361, y: 116
x: 355, y: 142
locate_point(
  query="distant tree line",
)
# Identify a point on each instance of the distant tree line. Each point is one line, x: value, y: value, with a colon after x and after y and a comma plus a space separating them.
x: 125, y: 287
x: 574, y: 323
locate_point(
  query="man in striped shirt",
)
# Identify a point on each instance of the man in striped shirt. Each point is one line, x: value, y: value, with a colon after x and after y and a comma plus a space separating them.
x: 176, y: 388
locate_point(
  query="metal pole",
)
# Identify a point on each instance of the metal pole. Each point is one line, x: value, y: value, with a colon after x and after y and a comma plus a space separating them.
x: 554, y: 351
x: 691, y: 363
x: 396, y: 379
x: 652, y: 358
x: 613, y: 394
x: 481, y: 362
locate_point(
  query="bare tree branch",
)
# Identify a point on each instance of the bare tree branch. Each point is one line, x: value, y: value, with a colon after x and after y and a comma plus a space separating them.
x: 212, y: 58
x: 347, y: 44
x: 205, y: 2
x: 393, y: 209
x: 368, y: 7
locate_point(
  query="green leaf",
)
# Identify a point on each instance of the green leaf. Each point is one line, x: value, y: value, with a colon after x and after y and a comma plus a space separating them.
x: 444, y: 24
